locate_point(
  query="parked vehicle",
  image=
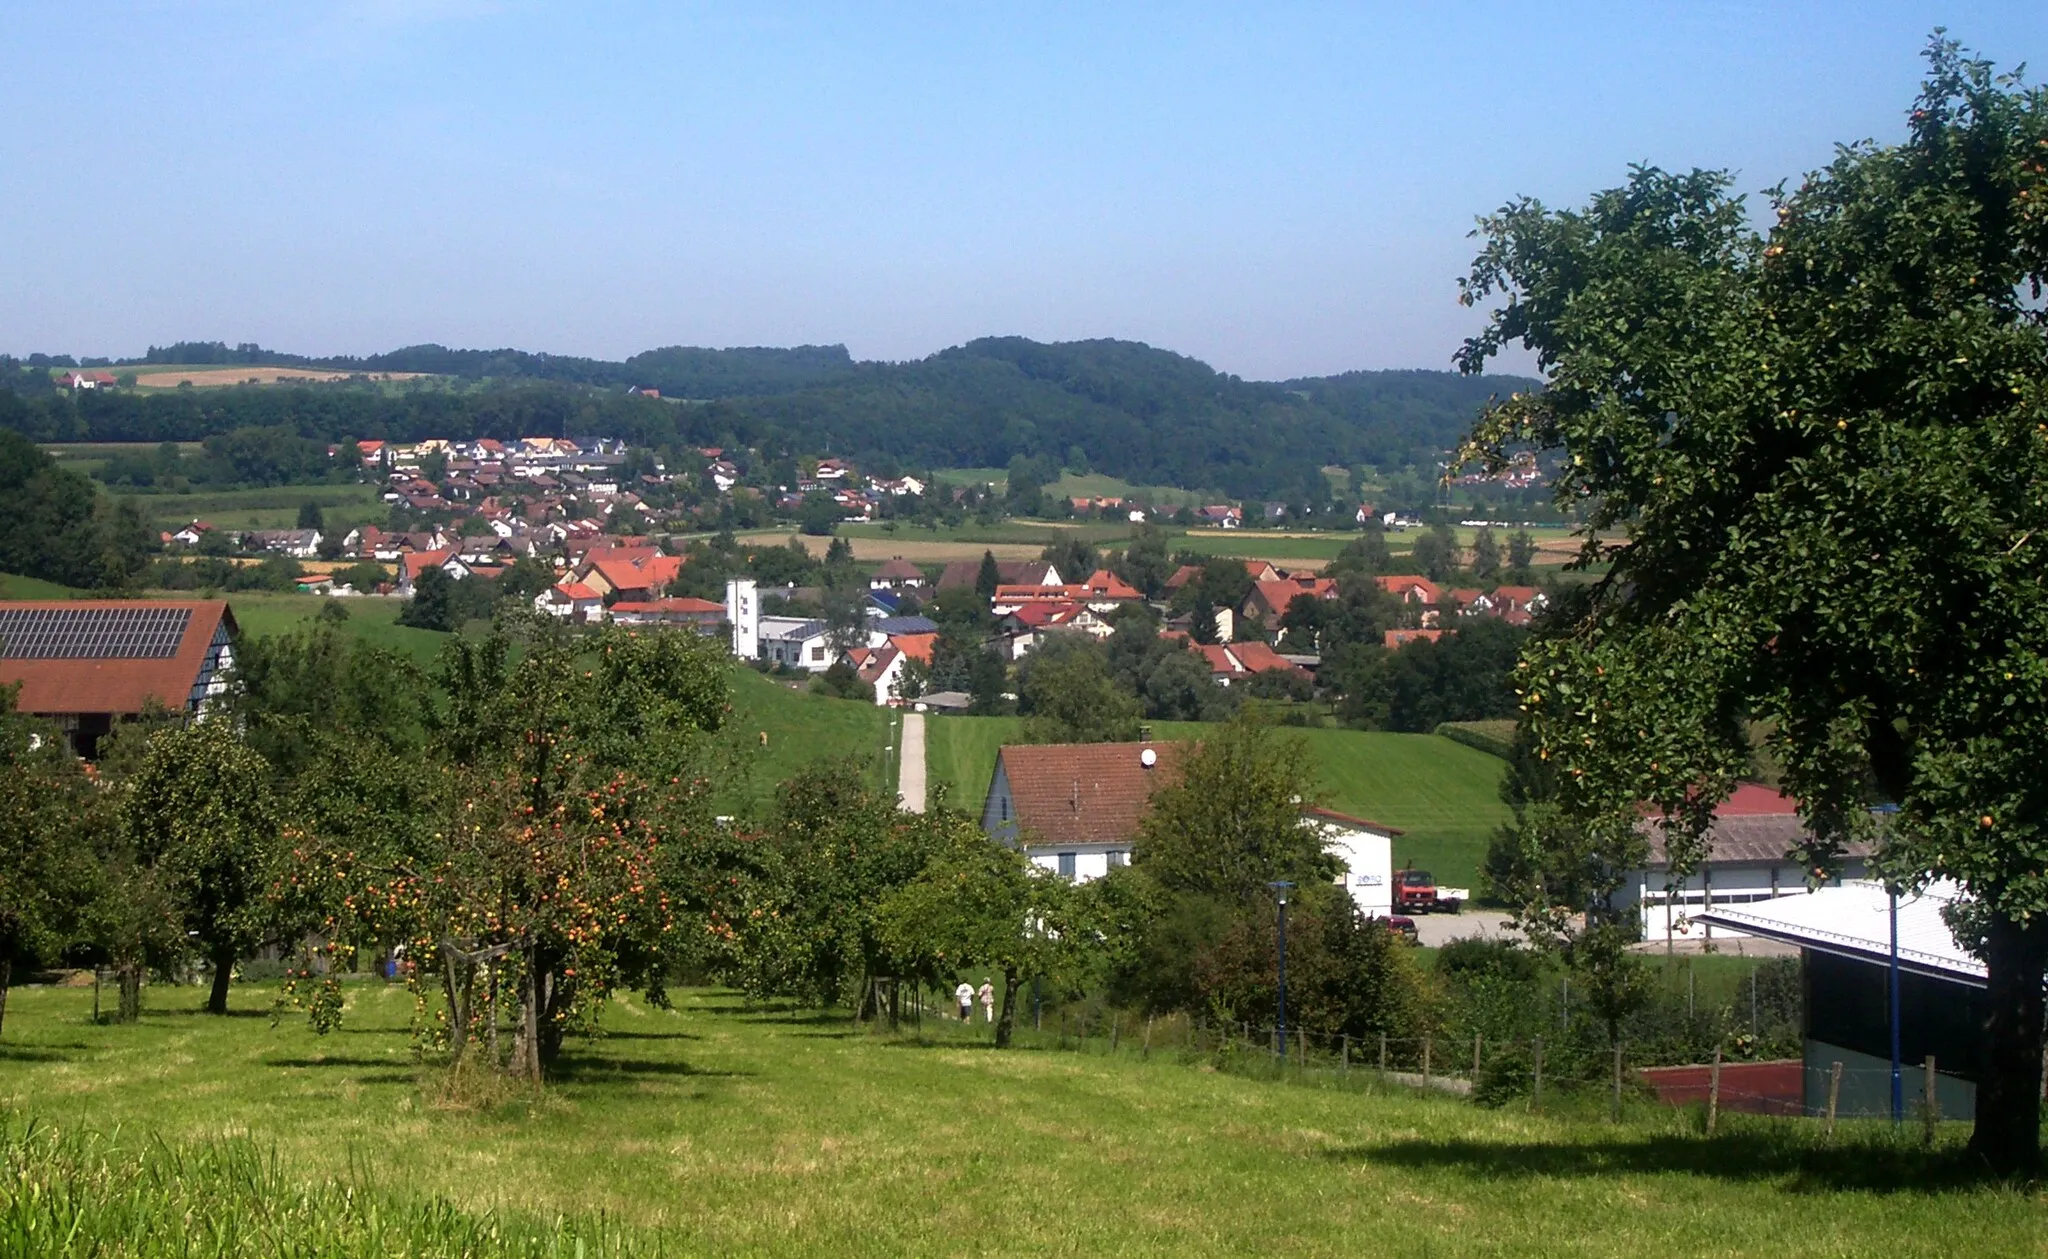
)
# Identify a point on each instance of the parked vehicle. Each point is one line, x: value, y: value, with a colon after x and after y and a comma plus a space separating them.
x: 1405, y: 929
x: 1416, y: 892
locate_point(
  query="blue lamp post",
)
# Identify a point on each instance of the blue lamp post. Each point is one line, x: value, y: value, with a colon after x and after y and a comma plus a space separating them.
x: 1280, y: 887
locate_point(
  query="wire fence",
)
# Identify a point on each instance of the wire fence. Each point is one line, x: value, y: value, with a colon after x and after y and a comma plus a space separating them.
x: 1542, y: 1072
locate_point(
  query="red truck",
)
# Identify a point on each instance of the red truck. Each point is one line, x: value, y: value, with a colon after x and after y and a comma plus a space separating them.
x: 1416, y: 892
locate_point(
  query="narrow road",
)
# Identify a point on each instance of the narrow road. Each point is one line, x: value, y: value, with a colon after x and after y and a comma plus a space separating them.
x: 910, y: 775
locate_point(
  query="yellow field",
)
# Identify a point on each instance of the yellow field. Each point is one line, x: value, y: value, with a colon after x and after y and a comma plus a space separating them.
x: 215, y: 376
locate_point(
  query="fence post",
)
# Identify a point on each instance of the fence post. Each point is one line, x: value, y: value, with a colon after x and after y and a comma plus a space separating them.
x: 1617, y: 1082
x: 1116, y: 1032
x: 1301, y: 1039
x: 1148, y: 1037
x: 1834, y: 1096
x: 1714, y: 1094
x: 1347, y: 1054
x: 1426, y: 1046
x: 1477, y: 1042
x: 1933, y: 1100
x: 1383, y: 1056
x: 1536, y: 1101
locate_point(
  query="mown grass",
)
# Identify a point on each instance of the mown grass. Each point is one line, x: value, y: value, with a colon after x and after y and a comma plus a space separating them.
x: 718, y: 1128
x: 799, y: 728
x: 13, y: 586
x: 1443, y: 796
x: 343, y: 506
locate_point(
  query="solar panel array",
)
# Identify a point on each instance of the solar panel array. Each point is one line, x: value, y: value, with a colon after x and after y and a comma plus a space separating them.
x: 136, y: 633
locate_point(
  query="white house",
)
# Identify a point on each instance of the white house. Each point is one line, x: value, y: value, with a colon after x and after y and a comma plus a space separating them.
x: 1367, y: 850
x: 1074, y: 808
x: 743, y: 613
x: 796, y: 642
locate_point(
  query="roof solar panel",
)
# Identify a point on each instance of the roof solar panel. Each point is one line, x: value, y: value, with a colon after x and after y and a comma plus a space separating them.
x: 133, y: 633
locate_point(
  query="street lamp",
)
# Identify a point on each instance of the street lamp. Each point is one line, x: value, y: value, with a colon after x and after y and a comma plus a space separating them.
x: 1280, y: 887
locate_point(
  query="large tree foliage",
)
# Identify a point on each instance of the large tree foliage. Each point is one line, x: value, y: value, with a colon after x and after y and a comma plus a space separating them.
x: 200, y: 816
x: 526, y: 860
x: 1815, y: 460
x: 46, y: 878
x: 56, y: 527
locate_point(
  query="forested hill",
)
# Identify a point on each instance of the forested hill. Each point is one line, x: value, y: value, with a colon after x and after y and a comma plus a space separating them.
x: 1144, y: 414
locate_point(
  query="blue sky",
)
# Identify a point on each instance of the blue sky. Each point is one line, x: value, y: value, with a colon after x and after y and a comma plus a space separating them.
x: 1278, y: 189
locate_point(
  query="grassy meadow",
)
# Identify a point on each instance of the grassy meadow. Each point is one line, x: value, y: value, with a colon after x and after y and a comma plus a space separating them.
x: 718, y: 1128
x: 344, y: 506
x: 1443, y: 796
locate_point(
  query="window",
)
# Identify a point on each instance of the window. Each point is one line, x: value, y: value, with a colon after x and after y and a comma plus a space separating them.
x: 1118, y: 857
x: 1066, y: 865
x: 817, y: 653
x: 1005, y: 805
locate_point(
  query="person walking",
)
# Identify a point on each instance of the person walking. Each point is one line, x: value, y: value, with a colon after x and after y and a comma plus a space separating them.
x: 988, y: 1001
x: 964, y: 994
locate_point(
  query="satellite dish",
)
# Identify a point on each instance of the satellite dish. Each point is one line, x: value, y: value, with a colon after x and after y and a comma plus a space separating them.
x: 1148, y: 758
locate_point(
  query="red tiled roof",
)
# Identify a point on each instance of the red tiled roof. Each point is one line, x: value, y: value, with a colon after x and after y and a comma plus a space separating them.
x: 917, y: 646
x: 1398, y: 638
x: 416, y: 562
x: 576, y: 590
x: 1084, y: 793
x: 899, y: 568
x: 1402, y: 586
x: 115, y: 685
x: 1257, y: 657
x: 1103, y: 584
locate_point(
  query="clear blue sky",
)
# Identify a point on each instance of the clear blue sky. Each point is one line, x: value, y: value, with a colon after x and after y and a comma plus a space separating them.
x: 1276, y: 188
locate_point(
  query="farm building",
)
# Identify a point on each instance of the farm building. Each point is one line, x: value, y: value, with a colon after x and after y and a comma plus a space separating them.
x: 1844, y: 935
x: 1747, y: 861
x: 87, y: 664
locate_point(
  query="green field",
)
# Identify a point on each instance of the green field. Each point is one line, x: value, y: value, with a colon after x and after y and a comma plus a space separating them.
x: 1443, y: 796
x: 713, y: 1128
x: 344, y: 506
x: 800, y: 728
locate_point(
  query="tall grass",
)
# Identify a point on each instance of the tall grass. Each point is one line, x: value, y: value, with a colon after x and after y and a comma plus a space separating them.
x: 77, y: 1192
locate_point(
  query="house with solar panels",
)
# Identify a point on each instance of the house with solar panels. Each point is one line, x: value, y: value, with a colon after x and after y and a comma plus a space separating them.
x: 86, y: 664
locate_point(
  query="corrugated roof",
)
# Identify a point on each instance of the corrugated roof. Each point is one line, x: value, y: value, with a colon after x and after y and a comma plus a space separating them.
x: 112, y: 683
x: 1756, y: 839
x: 1084, y: 793
x: 1854, y: 920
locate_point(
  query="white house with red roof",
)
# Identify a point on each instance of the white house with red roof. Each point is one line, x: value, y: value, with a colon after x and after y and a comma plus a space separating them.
x: 571, y: 601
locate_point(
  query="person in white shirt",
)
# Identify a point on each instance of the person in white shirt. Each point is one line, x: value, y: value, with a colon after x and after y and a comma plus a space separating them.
x: 988, y: 1001
x: 964, y: 994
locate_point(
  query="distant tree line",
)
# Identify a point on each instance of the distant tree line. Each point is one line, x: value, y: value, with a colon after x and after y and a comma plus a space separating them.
x: 1122, y: 408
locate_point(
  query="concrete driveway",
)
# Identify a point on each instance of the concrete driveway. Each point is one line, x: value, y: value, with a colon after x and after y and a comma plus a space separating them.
x: 1437, y: 930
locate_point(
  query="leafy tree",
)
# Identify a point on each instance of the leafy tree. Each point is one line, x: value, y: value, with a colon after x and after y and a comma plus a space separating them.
x: 1485, y: 555
x: 1364, y: 556
x: 1816, y: 458
x: 988, y: 577
x: 1073, y: 558
x: 1067, y: 695
x: 57, y: 527
x: 433, y: 602
x: 1521, y: 552
x: 532, y: 864
x: 1230, y: 821
x: 819, y: 515
x: 46, y: 877
x: 977, y: 903
x: 1144, y: 563
x: 811, y: 923
x: 310, y: 515
x: 1436, y: 552
x: 200, y: 813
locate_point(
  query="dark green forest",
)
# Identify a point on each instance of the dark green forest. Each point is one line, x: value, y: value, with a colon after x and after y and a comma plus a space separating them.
x: 1119, y: 407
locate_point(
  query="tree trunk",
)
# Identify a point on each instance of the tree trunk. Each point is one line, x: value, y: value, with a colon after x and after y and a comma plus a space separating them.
x: 6, y: 979
x: 223, y: 974
x: 548, y: 1032
x: 130, y: 976
x: 2008, y: 1131
x: 526, y: 1048
x: 1007, y: 1022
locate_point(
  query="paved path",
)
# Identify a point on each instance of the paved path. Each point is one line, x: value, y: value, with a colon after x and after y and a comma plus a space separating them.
x: 910, y: 776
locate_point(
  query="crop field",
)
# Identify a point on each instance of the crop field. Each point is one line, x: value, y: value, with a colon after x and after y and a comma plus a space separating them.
x: 717, y: 1128
x: 919, y: 547
x: 171, y: 377
x: 276, y: 507
x: 1443, y: 796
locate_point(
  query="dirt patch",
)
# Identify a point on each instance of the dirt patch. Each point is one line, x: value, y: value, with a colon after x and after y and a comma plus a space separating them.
x: 217, y: 376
